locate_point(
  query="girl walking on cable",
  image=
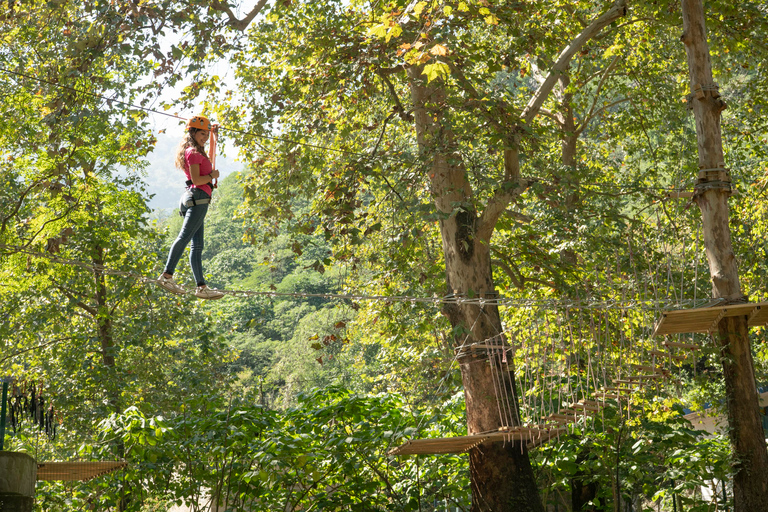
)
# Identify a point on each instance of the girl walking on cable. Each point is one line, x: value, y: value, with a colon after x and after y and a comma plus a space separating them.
x: 192, y: 159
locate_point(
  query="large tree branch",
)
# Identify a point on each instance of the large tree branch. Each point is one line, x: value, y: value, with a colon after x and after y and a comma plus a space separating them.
x: 514, y: 185
x: 511, y: 188
x: 618, y: 10
x: 517, y: 279
x: 399, y: 109
x: 600, y: 84
x: 515, y: 275
x: 596, y: 113
x: 72, y: 295
x: 557, y: 117
x: 235, y: 23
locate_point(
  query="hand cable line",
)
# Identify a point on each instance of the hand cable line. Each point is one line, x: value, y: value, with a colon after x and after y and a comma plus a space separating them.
x: 621, y: 190
x: 174, y: 116
x: 452, y: 298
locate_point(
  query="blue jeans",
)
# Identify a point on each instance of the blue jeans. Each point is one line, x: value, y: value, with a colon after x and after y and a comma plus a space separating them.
x: 192, y: 230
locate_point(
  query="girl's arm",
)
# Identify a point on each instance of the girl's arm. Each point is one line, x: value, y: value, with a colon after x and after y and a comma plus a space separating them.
x: 194, y: 172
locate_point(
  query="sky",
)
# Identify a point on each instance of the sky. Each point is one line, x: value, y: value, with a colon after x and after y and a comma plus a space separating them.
x: 163, y: 179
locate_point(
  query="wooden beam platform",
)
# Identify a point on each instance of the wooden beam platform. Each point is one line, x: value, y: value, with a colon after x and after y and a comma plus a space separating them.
x: 680, y: 194
x: 76, y: 471
x: 461, y: 444
x: 703, y: 319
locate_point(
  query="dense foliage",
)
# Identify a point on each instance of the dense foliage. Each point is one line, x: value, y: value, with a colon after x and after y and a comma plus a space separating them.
x: 287, y: 396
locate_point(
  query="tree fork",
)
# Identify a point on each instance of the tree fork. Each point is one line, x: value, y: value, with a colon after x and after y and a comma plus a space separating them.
x: 750, y: 483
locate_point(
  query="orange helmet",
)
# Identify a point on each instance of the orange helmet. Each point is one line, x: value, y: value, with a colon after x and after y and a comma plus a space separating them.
x: 199, y: 122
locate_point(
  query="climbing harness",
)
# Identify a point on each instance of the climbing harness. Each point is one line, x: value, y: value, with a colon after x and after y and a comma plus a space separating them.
x: 189, y: 201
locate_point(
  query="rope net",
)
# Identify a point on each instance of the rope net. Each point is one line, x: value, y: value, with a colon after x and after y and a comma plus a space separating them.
x: 571, y: 356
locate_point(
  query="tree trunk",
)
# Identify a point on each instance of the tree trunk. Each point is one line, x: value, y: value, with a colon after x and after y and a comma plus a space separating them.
x: 582, y: 494
x: 750, y: 484
x: 104, y: 322
x: 501, y: 476
x: 568, y: 145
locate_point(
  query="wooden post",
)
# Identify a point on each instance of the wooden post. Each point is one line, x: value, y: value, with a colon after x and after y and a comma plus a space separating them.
x: 18, y: 473
x: 750, y: 483
x: 2, y: 415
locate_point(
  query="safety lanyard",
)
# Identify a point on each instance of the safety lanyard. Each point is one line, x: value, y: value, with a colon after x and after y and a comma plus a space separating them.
x: 212, y: 157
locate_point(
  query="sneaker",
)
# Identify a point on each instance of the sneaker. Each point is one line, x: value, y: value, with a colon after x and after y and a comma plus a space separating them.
x: 208, y: 293
x: 169, y: 284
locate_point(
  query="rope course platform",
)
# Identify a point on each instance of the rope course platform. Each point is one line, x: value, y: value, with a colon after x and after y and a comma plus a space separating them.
x: 76, y: 471
x: 706, y: 319
x: 535, y: 436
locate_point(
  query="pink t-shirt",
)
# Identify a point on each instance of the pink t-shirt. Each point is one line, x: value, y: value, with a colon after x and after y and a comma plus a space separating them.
x: 191, y: 156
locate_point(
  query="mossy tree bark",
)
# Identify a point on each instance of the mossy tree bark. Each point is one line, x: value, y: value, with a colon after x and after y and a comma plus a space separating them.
x: 750, y: 485
x: 500, y: 474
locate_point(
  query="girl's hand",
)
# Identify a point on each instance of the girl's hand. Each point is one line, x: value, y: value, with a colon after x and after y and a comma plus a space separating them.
x: 215, y: 130
x: 214, y: 174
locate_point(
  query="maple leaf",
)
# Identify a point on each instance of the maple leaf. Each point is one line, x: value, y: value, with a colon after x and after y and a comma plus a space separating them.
x: 439, y: 50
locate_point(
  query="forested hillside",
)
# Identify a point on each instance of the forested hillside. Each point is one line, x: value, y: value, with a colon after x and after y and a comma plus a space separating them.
x: 483, y: 255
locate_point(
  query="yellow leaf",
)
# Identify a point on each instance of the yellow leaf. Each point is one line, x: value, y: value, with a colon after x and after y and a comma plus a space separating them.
x: 378, y: 31
x: 491, y: 20
x: 447, y: 10
x: 484, y: 11
x: 436, y: 70
x: 613, y: 50
x: 463, y: 7
x: 394, y: 32
x: 419, y: 7
x: 439, y: 49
